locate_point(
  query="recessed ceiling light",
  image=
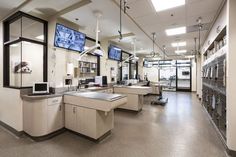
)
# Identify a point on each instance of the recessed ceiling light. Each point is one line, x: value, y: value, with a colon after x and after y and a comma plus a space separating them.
x: 157, y: 58
x: 191, y: 56
x: 40, y: 37
x: 161, y: 5
x: 176, y: 31
x: 179, y: 44
x: 180, y: 51
x: 14, y: 45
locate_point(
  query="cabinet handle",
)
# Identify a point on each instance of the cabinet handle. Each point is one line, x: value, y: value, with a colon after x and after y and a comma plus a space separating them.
x: 60, y: 107
x: 73, y: 109
x: 54, y: 101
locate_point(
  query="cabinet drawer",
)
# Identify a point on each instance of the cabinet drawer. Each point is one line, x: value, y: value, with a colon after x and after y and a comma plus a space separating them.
x: 56, y: 100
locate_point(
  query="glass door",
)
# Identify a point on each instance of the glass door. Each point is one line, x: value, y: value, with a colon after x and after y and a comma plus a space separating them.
x: 183, y: 77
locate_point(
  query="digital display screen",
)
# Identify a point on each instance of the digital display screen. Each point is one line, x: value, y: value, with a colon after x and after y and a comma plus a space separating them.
x: 69, y: 39
x: 114, y: 53
x: 40, y: 87
x: 185, y: 73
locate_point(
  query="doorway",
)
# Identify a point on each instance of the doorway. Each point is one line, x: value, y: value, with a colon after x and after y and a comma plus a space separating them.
x: 176, y: 74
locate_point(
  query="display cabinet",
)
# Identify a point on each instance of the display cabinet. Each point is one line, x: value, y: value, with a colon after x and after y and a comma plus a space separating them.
x: 214, y: 82
x: 25, y: 50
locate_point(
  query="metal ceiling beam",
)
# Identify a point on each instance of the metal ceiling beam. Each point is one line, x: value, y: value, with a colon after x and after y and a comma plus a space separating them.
x: 118, y: 36
x: 14, y: 10
x: 72, y: 7
x: 148, y: 35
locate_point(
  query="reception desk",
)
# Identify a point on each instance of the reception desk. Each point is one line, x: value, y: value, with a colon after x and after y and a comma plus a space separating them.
x: 134, y: 96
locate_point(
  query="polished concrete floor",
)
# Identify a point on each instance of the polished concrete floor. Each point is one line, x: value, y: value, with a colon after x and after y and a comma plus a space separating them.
x: 180, y: 129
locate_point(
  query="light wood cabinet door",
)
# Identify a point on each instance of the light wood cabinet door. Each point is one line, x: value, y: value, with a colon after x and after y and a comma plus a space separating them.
x: 55, y: 120
x: 86, y: 121
x: 70, y: 117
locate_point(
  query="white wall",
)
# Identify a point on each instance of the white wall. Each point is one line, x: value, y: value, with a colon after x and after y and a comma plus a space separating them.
x: 194, y: 76
x: 11, y: 104
x: 58, y: 57
x: 152, y: 73
x: 219, y: 23
x: 231, y: 76
x: 107, y: 64
x: 199, y: 77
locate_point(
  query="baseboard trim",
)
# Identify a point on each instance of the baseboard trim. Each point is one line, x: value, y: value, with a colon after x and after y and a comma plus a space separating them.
x: 46, y: 137
x: 232, y: 153
x: 100, y: 139
x: 11, y: 129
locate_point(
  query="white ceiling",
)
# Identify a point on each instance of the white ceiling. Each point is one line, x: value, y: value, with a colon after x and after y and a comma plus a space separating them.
x: 141, y: 11
x: 144, y: 14
x: 7, y: 5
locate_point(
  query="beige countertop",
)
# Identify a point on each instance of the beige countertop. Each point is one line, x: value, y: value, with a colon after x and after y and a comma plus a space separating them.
x: 38, y: 97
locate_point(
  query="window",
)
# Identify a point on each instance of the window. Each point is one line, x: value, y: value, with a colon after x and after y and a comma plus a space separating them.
x: 129, y: 69
x: 25, y: 50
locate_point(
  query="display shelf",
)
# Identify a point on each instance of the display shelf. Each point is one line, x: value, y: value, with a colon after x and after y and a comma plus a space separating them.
x: 219, y: 53
x: 217, y: 44
x: 87, y: 69
x: 214, y: 81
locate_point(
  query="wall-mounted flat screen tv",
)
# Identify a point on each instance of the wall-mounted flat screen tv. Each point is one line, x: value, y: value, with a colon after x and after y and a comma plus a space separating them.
x: 68, y: 38
x: 114, y: 53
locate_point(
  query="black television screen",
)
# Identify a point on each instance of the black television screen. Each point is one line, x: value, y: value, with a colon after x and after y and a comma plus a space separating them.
x: 114, y: 53
x: 185, y: 73
x: 147, y: 64
x: 69, y: 39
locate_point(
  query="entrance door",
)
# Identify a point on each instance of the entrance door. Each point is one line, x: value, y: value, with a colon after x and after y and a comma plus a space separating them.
x: 183, y: 78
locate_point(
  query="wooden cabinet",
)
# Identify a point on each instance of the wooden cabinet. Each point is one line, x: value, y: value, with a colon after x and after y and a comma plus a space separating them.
x: 70, y: 117
x: 55, y: 120
x: 89, y: 122
x: 43, y: 116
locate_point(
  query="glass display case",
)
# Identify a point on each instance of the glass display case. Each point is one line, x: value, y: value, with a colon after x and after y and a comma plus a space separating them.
x: 25, y: 50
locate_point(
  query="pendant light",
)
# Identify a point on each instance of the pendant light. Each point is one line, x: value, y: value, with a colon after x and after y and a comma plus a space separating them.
x: 125, y: 7
x: 153, y: 54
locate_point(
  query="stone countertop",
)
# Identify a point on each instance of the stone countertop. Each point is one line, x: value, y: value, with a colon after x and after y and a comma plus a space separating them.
x: 97, y: 95
x: 38, y: 97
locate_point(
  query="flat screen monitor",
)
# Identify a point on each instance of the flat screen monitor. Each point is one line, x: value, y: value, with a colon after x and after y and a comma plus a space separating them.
x: 40, y: 88
x: 185, y: 73
x: 68, y: 38
x: 114, y: 53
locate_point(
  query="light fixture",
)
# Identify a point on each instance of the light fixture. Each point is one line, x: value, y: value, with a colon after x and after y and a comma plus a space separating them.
x: 86, y: 47
x: 40, y: 37
x: 175, y: 31
x: 157, y: 58
x: 191, y: 56
x: 161, y: 5
x: 179, y: 44
x: 14, y: 45
x: 180, y: 51
x: 26, y: 42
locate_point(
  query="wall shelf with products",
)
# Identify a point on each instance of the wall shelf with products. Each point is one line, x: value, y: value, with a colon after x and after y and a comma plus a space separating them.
x: 215, y: 46
x: 214, y: 81
x: 87, y: 69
